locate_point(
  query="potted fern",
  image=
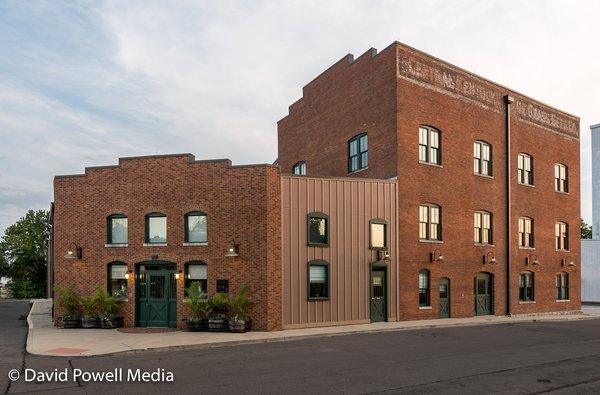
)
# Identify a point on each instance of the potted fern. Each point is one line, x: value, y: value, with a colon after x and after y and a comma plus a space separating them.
x: 218, y: 306
x: 70, y: 304
x: 200, y: 308
x: 90, y: 311
x: 239, y: 308
x: 109, y: 309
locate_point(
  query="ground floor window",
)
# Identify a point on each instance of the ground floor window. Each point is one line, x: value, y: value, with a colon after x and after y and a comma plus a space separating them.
x: 117, y: 280
x: 526, y: 287
x: 562, y: 286
x: 424, y: 299
x: 318, y: 280
x: 195, y: 278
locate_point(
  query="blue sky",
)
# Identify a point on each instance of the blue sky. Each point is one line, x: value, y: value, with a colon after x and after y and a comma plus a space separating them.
x: 83, y: 83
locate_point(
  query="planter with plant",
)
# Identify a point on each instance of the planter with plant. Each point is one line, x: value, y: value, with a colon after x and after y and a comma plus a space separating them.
x: 239, y: 309
x: 90, y: 312
x: 218, y: 306
x: 109, y: 309
x: 200, y: 309
x: 69, y: 303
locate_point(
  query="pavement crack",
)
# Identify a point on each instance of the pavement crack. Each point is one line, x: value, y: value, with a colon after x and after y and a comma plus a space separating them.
x: 73, y: 372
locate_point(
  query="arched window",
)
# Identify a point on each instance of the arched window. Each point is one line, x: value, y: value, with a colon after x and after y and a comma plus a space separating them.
x: 424, y: 291
x: 429, y: 145
x: 195, y: 227
x: 196, y: 278
x: 525, y: 169
x: 116, y: 229
x: 118, y: 275
x: 562, y: 286
x: 526, y: 287
x: 482, y: 158
x: 483, y: 227
x: 358, y: 157
x: 561, y: 178
x: 318, y: 280
x: 430, y: 222
x: 526, y: 235
x: 156, y: 228
x: 561, y: 236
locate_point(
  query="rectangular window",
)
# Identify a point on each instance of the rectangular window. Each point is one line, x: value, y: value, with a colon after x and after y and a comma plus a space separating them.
x: 483, y: 227
x: 526, y: 232
x: 195, y: 228
x: 378, y: 235
x: 424, y: 300
x: 482, y: 158
x: 117, y: 230
x: 318, y: 229
x: 118, y: 281
x: 429, y: 145
x: 526, y: 290
x: 429, y: 222
x: 561, y: 236
x: 299, y: 168
x: 196, y: 278
x: 156, y: 229
x: 561, y: 182
x: 562, y: 286
x: 525, y: 169
x: 318, y: 279
x: 358, y: 157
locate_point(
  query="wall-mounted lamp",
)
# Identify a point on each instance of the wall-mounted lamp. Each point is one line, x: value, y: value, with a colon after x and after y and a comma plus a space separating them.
x: 532, y: 260
x: 128, y: 274
x: 233, y: 251
x: 436, y: 256
x: 383, y: 255
x: 74, y: 252
x: 489, y: 258
x: 178, y: 274
x: 568, y: 261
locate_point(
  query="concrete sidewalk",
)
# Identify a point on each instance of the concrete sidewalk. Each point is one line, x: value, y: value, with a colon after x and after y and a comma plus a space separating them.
x: 45, y: 339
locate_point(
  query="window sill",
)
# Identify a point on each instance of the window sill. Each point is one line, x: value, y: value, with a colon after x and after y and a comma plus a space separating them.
x: 358, y: 171
x: 425, y: 308
x: 563, y: 300
x: 317, y: 299
x: 526, y: 185
x: 317, y: 245
x: 527, y: 248
x: 431, y: 241
x: 116, y: 245
x: 154, y: 244
x: 431, y: 164
x: 526, y: 301
x: 203, y: 243
x: 562, y: 192
x: 484, y: 176
x: 565, y: 251
x: 484, y: 245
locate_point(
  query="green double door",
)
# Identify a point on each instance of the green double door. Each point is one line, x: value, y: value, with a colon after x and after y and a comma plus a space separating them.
x: 156, y: 296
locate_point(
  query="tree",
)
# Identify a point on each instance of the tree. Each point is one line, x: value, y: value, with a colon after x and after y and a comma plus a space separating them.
x: 23, y: 251
x: 586, y: 230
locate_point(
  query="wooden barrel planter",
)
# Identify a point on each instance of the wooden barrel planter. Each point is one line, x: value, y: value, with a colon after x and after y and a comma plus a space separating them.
x: 216, y: 325
x: 240, y: 326
x: 71, y: 322
x: 90, y: 322
x: 197, y: 325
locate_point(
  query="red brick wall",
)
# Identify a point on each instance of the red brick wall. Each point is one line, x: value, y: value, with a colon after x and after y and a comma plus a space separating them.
x: 242, y: 205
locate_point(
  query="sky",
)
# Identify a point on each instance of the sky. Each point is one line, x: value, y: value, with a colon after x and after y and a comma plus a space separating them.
x: 84, y: 83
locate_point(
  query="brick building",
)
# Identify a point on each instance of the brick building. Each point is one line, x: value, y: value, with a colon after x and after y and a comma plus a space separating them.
x: 405, y: 168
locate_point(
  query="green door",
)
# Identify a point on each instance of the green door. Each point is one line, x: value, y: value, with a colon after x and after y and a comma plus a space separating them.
x: 156, y: 296
x: 483, y: 294
x: 444, y: 311
x: 378, y: 295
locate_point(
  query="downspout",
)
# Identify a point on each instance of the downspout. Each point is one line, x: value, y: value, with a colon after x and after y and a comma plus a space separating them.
x: 508, y: 100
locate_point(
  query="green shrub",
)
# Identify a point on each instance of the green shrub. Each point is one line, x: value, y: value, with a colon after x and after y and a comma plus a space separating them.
x: 26, y: 289
x: 68, y: 301
x: 198, y: 303
x: 218, y: 306
x: 240, y: 304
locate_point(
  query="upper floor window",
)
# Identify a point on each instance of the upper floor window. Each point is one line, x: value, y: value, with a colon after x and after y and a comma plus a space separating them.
x: 378, y: 234
x: 429, y: 145
x: 562, y: 286
x: 117, y: 229
x: 429, y: 222
x: 424, y: 299
x: 195, y: 227
x: 318, y: 229
x: 299, y: 168
x: 526, y: 287
x: 156, y: 228
x: 526, y: 232
x: 525, y: 169
x: 561, y: 180
x: 358, y: 157
x: 482, y: 158
x: 561, y: 236
x: 483, y: 227
x: 117, y: 280
x: 196, y: 278
x: 318, y: 279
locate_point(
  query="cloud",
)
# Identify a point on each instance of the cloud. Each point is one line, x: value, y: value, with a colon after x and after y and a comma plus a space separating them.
x: 84, y: 83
